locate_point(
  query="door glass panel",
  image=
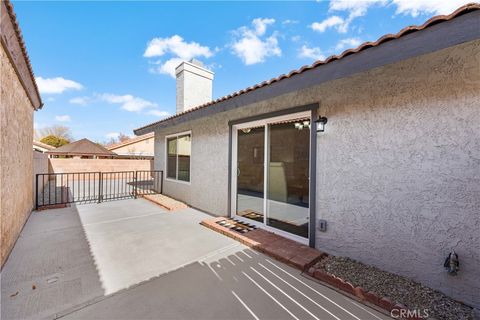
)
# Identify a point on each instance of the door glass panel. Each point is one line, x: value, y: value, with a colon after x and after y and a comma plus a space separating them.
x: 288, y: 188
x: 172, y: 158
x: 184, y: 150
x: 250, y: 162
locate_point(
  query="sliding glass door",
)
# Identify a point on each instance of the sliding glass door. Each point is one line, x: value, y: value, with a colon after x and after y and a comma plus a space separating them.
x: 250, y: 173
x: 288, y: 183
x: 271, y: 173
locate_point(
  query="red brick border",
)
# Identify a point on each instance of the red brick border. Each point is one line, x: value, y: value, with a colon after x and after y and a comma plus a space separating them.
x: 371, y: 297
x: 285, y: 250
x: 303, y: 258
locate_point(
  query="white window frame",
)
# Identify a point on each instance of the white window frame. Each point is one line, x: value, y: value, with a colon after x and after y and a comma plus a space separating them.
x: 166, y: 157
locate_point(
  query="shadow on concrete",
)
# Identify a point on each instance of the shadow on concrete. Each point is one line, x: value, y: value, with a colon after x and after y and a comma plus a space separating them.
x: 232, y: 283
x: 50, y: 268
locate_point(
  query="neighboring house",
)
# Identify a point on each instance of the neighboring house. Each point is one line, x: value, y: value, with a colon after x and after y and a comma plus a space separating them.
x: 393, y: 180
x: 41, y: 147
x: 136, y: 148
x: 82, y: 149
x: 19, y: 98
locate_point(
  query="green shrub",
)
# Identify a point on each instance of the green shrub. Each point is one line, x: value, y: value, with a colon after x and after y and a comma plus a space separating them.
x: 54, y: 141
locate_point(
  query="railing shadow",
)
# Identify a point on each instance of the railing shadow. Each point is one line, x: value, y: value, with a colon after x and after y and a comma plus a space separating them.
x: 52, y: 258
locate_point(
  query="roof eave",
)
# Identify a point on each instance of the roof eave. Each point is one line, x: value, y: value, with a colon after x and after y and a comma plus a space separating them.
x: 437, y: 33
x: 12, y: 41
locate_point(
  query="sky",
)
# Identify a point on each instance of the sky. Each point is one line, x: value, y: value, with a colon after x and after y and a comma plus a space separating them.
x: 106, y: 67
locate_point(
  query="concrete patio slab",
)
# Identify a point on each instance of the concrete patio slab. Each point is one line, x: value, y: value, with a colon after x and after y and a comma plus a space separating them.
x: 79, y: 253
x: 130, y: 259
x: 143, y: 241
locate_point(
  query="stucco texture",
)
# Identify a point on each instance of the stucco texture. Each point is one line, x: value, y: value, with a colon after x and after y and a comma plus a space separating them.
x: 16, y: 137
x: 398, y: 167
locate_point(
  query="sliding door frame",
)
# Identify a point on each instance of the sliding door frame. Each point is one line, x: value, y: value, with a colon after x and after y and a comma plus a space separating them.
x: 264, y: 120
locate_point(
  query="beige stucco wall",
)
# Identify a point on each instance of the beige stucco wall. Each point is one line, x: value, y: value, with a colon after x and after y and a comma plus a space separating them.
x: 398, y: 168
x: 16, y: 137
x: 144, y: 148
x: 69, y: 165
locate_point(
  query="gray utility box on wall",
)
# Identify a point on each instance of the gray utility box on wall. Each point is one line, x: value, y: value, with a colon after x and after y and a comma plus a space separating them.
x: 322, y: 225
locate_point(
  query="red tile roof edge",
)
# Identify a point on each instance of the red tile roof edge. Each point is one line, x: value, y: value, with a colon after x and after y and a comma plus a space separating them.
x: 97, y: 149
x: 130, y: 141
x: 387, y: 37
x: 18, y: 33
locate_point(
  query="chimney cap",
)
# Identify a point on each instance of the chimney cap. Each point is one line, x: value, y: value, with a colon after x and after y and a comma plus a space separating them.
x: 196, y: 62
x: 195, y: 66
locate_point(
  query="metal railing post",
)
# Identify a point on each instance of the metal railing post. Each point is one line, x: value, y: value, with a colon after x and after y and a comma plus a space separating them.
x: 36, y: 192
x: 135, y: 184
x: 100, y: 187
x: 161, y: 182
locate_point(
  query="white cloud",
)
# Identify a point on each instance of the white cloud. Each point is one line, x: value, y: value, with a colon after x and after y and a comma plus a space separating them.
x: 175, y: 45
x: 56, y: 85
x: 250, y: 45
x: 296, y: 38
x: 331, y: 22
x: 311, y: 53
x: 158, y: 113
x: 288, y: 21
x: 168, y: 67
x: 112, y: 135
x: 178, y: 49
x: 64, y: 118
x: 348, y: 43
x: 354, y: 8
x: 83, y: 101
x: 432, y: 7
x: 127, y: 102
x: 358, y: 8
x: 260, y: 25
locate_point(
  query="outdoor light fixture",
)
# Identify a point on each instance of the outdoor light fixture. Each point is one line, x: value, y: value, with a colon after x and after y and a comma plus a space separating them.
x: 301, y: 125
x: 321, y: 124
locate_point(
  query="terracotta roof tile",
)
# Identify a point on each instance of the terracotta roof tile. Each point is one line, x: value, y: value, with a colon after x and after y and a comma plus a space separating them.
x: 388, y: 37
x: 130, y: 141
x: 82, y: 147
x: 23, y: 47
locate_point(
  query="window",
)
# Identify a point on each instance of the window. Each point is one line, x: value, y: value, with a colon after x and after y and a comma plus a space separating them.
x: 178, y: 156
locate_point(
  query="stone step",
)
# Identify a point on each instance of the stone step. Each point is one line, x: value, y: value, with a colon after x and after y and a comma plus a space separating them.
x: 166, y: 202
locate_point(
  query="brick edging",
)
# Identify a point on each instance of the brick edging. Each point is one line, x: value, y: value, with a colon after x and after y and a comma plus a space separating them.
x: 330, y: 279
x: 298, y: 261
x: 359, y: 292
x: 242, y: 239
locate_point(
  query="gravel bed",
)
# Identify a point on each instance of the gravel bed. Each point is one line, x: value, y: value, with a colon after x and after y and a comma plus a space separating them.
x: 398, y: 289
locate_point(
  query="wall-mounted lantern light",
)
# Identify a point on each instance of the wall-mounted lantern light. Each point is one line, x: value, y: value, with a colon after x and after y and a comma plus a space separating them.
x: 321, y: 124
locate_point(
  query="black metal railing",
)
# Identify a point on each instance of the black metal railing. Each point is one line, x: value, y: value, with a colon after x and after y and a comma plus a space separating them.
x: 90, y: 187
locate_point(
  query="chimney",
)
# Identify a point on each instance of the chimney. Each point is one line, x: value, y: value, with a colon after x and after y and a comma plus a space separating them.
x: 194, y: 85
